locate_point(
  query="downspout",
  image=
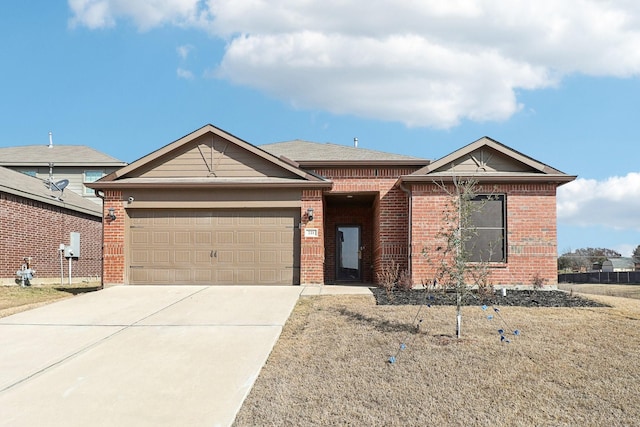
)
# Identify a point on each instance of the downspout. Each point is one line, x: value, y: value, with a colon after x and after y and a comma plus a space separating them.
x: 100, y: 195
x: 409, y: 228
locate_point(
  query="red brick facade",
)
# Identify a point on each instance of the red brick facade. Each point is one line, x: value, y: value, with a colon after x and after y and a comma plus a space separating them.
x: 384, y: 224
x: 531, y: 232
x: 396, y: 208
x: 530, y: 217
x: 35, y: 229
x: 114, y: 239
x: 312, y: 250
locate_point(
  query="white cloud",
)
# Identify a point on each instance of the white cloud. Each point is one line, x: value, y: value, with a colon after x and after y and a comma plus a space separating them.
x: 184, y: 74
x: 613, y: 203
x: 184, y: 51
x: 420, y: 62
x: 146, y: 14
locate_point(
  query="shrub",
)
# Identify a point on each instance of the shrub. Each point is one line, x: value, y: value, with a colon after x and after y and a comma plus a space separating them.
x: 404, y: 281
x: 538, y: 281
x: 388, y: 276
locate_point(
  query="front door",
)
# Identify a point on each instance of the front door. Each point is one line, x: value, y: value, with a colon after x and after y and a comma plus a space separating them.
x: 348, y: 253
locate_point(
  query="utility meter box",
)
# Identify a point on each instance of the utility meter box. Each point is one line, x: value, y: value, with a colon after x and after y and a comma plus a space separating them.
x: 73, y: 250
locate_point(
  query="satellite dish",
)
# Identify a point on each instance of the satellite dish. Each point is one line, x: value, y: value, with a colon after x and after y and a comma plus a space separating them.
x: 60, y: 185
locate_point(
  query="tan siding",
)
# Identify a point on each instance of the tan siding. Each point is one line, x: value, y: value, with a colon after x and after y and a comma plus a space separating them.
x: 225, y: 160
x: 489, y: 159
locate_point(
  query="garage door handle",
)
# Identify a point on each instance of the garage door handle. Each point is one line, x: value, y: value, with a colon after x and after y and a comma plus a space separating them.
x: 214, y: 254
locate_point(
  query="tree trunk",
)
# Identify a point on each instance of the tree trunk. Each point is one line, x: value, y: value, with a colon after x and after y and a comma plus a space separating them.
x: 458, y: 314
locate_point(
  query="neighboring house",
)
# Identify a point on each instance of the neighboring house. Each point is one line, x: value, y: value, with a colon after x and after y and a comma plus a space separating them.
x: 77, y: 163
x: 35, y: 221
x: 211, y: 208
x: 618, y: 264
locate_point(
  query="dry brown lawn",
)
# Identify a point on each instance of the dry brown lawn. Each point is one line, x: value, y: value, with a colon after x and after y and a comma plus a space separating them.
x: 14, y: 299
x: 569, y: 367
x: 627, y: 291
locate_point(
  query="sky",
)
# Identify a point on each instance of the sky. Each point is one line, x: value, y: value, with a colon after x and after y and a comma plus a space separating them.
x: 557, y: 81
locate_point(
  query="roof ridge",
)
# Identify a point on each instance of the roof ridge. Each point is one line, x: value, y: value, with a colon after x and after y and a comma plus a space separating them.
x: 294, y: 149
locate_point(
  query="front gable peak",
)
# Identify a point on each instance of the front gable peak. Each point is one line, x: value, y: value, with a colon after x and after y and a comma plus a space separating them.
x: 489, y: 160
x: 210, y: 156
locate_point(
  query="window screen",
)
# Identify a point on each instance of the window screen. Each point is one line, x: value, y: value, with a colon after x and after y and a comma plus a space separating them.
x: 485, y: 236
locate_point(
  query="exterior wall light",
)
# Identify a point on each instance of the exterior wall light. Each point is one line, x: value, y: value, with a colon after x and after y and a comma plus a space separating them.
x: 111, y: 216
x: 310, y: 214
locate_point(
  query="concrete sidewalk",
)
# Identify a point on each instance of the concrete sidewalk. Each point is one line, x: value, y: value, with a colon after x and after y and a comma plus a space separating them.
x: 142, y: 355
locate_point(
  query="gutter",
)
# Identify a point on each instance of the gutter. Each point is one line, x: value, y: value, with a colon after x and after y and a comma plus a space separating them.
x: 119, y: 184
x: 490, y: 179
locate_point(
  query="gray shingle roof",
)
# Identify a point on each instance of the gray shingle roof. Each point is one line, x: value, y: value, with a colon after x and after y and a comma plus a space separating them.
x: 315, y: 152
x: 60, y: 155
x: 22, y: 185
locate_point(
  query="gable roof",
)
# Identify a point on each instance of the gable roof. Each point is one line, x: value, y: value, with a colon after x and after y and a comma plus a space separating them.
x: 60, y: 155
x: 307, y: 153
x: 271, y: 171
x: 19, y: 184
x: 488, y: 160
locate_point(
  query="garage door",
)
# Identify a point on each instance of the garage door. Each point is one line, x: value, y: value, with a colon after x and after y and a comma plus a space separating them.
x: 217, y: 247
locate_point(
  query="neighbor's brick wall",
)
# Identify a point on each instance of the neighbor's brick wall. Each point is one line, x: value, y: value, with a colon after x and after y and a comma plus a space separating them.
x: 30, y: 228
x: 387, y: 221
x: 531, y: 232
x: 114, y: 239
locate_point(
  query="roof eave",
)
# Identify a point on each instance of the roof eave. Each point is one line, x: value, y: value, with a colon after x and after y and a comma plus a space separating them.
x: 62, y: 164
x: 97, y: 185
x: 491, y: 179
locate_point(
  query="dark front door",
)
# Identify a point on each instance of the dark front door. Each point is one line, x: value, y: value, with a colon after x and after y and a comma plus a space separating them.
x: 348, y: 253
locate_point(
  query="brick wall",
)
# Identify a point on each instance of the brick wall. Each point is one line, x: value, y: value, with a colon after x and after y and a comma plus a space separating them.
x: 531, y: 232
x: 114, y: 240
x: 384, y: 225
x: 312, y: 248
x: 34, y: 229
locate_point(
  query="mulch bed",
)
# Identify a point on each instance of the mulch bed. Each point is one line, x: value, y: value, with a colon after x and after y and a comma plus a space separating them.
x: 519, y: 298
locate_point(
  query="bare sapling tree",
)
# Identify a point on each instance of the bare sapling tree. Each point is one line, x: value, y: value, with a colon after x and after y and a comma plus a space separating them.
x: 456, y: 243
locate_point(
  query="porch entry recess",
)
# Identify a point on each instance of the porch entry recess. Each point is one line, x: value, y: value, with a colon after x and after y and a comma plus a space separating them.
x: 348, y: 253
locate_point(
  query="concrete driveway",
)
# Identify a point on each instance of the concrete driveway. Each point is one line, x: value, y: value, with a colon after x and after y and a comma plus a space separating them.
x: 140, y: 355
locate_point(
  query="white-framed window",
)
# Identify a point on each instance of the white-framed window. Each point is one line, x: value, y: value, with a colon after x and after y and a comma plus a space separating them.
x: 30, y: 172
x: 91, y: 176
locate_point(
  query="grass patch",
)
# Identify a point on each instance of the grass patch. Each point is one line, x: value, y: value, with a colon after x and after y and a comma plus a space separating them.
x: 626, y: 291
x: 569, y: 366
x: 14, y: 299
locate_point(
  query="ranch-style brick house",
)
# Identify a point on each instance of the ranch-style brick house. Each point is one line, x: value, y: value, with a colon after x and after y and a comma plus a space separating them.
x: 35, y: 219
x: 210, y: 208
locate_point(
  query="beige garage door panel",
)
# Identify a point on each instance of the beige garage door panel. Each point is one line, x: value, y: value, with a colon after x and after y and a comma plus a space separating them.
x: 213, y: 247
